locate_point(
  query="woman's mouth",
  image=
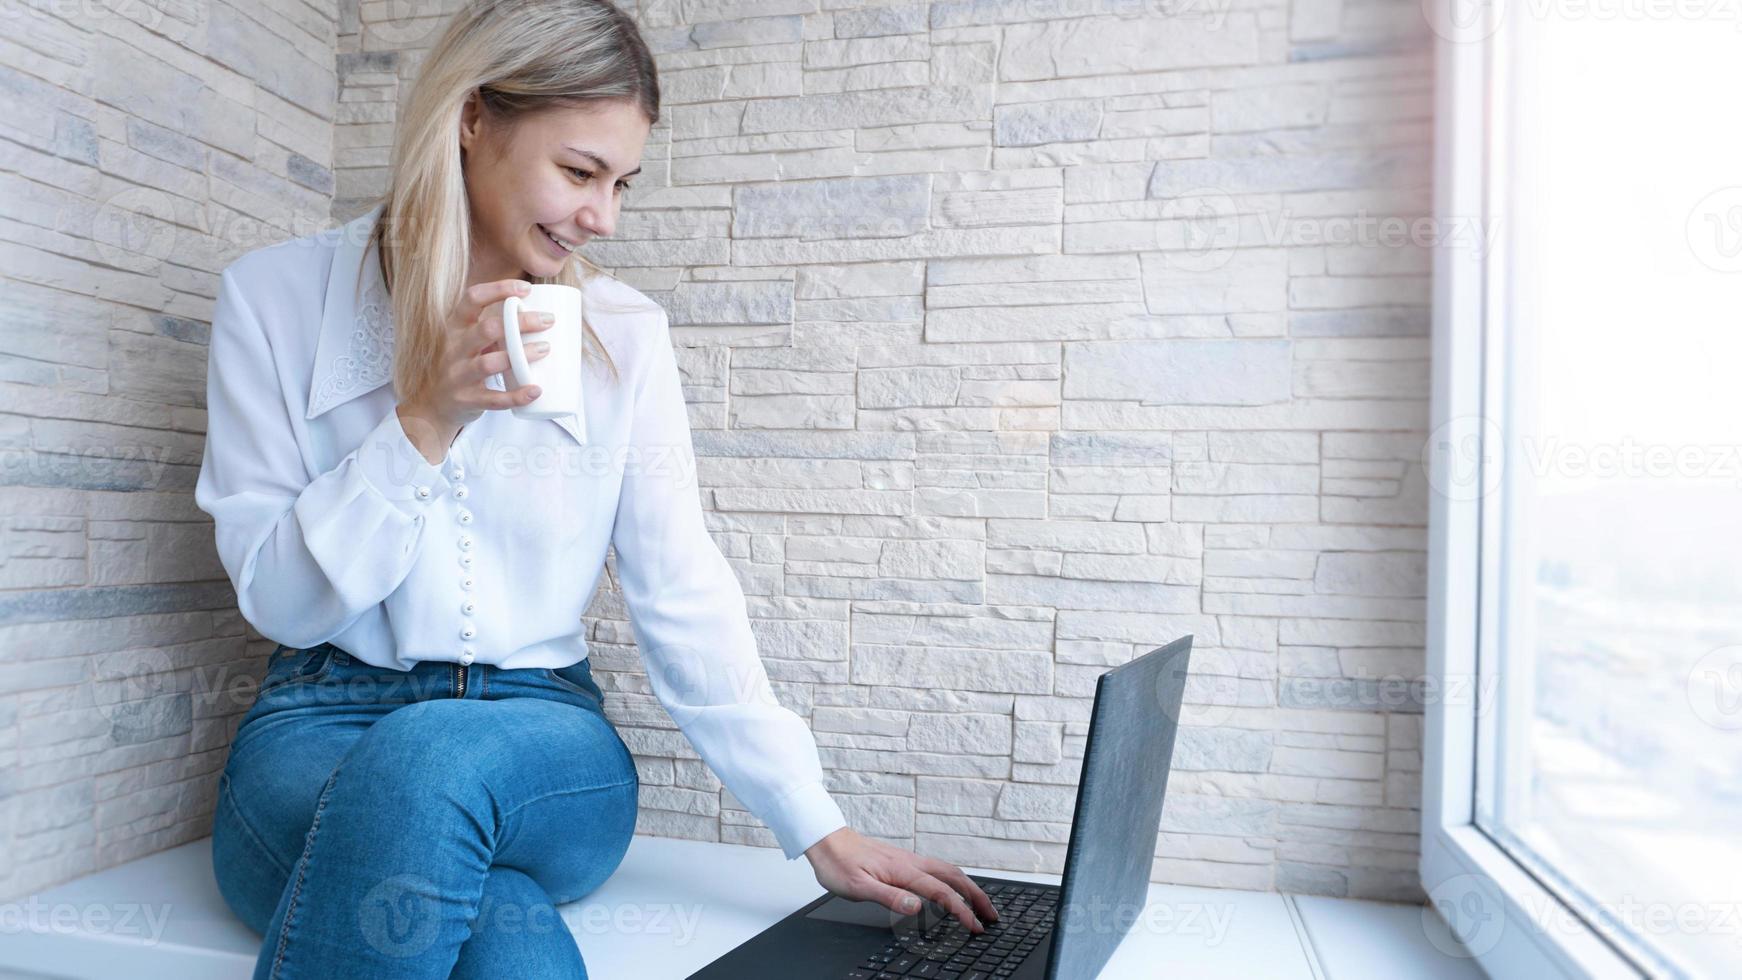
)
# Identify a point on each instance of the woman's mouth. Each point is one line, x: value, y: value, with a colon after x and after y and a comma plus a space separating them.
x: 555, y: 244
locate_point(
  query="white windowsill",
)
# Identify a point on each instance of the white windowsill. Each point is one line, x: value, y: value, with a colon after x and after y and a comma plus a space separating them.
x: 1260, y: 934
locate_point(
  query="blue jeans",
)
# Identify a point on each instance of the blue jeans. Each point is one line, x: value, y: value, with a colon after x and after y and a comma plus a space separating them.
x: 424, y: 823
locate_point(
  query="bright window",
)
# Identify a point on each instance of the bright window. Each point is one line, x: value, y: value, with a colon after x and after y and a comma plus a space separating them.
x: 1610, y: 746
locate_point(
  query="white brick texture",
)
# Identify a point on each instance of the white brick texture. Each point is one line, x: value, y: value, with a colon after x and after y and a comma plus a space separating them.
x: 1019, y: 338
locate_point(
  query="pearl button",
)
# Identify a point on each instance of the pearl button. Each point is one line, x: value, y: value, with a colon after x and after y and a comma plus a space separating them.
x: 465, y: 542
x: 468, y: 607
x: 466, y: 560
x: 460, y: 493
x: 423, y: 493
x: 465, y: 517
x: 467, y: 632
x: 466, y: 583
x: 466, y: 658
x: 459, y: 472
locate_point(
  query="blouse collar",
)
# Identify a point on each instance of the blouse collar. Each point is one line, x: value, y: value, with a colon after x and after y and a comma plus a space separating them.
x: 354, y: 353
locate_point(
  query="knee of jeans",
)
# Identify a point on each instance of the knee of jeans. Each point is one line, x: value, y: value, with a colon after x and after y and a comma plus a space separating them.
x: 434, y: 745
x: 416, y: 736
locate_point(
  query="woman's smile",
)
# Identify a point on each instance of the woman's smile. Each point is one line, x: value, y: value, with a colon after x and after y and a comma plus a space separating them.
x: 552, y: 243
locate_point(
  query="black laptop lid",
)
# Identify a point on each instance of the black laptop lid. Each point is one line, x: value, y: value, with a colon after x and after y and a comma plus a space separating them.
x: 1125, y: 765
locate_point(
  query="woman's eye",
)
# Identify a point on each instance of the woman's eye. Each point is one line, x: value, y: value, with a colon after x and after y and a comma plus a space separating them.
x: 587, y: 175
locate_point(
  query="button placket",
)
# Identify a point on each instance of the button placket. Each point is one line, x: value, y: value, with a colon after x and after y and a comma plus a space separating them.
x: 468, y: 606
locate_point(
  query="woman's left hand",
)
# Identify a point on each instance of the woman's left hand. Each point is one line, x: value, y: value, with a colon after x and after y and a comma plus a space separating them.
x: 852, y: 865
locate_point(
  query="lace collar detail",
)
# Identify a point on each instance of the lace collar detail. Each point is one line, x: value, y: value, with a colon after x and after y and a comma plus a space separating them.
x: 365, y: 364
x: 354, y: 352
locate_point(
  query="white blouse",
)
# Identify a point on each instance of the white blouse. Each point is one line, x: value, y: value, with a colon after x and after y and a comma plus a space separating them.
x: 333, y: 527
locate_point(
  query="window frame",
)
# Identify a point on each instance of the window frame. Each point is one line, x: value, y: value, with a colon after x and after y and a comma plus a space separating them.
x: 1464, y: 870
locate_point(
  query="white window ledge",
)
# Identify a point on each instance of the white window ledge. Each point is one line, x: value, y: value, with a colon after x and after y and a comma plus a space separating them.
x: 698, y: 892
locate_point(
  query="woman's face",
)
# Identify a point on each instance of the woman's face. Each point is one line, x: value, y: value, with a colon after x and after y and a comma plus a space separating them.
x: 558, y: 172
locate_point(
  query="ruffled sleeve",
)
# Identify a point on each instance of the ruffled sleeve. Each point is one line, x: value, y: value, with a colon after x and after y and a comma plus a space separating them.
x: 306, y: 557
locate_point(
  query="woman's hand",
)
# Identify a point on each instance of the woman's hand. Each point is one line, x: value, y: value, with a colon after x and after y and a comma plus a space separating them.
x: 460, y: 395
x: 854, y: 866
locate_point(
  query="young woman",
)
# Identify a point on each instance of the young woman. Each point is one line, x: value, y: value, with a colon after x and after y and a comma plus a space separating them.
x: 428, y: 769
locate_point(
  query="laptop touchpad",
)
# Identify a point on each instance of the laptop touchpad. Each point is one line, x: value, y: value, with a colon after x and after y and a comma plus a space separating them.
x: 838, y: 909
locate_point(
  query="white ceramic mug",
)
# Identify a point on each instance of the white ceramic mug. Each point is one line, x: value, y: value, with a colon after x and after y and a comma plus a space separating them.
x: 557, y: 373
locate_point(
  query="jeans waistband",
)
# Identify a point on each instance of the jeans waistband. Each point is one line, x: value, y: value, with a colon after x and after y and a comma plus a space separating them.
x: 341, y: 677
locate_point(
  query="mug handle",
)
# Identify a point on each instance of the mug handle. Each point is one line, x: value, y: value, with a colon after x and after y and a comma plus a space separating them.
x: 521, y: 371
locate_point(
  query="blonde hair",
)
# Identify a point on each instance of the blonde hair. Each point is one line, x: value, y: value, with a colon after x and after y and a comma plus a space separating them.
x: 519, y: 57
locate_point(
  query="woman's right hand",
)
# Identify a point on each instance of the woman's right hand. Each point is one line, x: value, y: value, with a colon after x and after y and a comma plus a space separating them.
x: 460, y: 396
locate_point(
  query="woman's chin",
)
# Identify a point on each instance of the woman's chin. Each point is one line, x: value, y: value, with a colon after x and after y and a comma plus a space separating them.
x: 543, y: 261
x: 555, y: 265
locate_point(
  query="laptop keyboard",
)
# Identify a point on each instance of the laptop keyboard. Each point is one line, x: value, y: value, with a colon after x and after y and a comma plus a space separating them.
x: 948, y: 951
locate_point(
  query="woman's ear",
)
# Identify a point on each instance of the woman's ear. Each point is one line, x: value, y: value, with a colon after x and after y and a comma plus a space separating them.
x: 469, y: 120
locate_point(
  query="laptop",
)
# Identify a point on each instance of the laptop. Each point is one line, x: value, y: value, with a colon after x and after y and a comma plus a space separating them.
x: 1066, y: 931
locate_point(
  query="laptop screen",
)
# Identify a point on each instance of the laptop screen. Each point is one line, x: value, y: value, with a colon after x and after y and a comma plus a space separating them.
x: 1126, y: 761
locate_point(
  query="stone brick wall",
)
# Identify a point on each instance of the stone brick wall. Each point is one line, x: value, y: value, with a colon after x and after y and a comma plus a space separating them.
x: 144, y: 145
x: 1020, y: 336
